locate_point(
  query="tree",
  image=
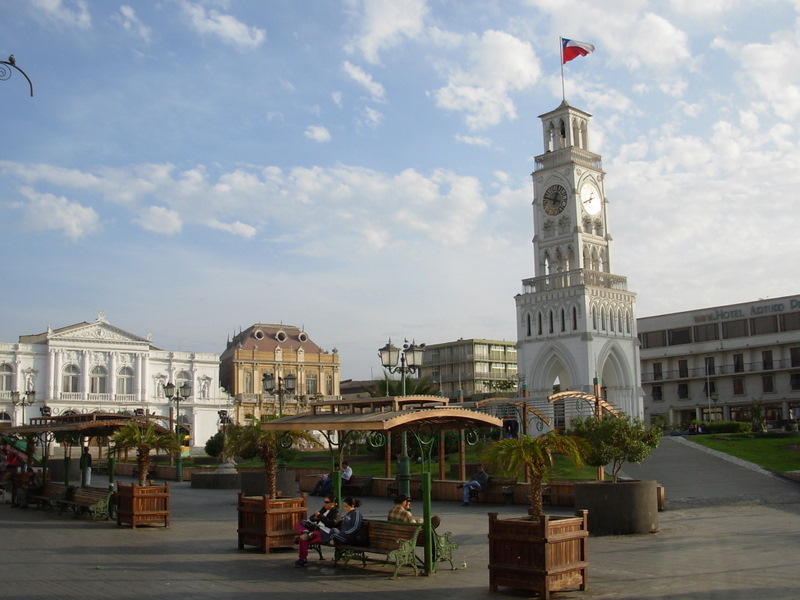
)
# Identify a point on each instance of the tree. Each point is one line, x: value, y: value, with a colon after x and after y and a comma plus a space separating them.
x: 616, y: 439
x: 250, y: 440
x: 535, y: 456
x: 215, y: 444
x: 144, y: 438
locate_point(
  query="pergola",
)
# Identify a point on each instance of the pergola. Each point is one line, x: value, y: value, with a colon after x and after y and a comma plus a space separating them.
x: 97, y: 425
x: 424, y: 417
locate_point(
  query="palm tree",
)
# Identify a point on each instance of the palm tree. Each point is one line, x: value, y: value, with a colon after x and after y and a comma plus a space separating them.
x: 535, y: 456
x: 251, y: 440
x: 394, y: 387
x: 143, y: 438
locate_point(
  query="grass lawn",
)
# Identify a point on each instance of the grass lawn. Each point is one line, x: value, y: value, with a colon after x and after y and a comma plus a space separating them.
x: 369, y: 465
x: 774, y: 453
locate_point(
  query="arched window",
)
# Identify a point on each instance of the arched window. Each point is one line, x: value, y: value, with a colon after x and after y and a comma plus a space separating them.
x: 125, y: 381
x: 5, y: 417
x: 528, y: 319
x: 602, y: 319
x: 574, y: 318
x: 98, y: 378
x: 619, y: 320
x: 70, y: 381
x: 594, y: 318
x: 563, y: 320
x: 552, y: 319
x: 6, y: 377
x: 183, y: 377
x: 611, y: 319
x: 539, y: 319
x: 248, y: 383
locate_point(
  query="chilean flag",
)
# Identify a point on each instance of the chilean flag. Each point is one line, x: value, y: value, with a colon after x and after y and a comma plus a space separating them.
x: 571, y: 49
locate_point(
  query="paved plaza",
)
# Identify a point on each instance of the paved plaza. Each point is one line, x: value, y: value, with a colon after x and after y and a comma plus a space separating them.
x: 730, y: 532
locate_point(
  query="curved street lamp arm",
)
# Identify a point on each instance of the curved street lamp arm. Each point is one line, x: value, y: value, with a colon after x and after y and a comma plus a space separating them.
x: 5, y: 73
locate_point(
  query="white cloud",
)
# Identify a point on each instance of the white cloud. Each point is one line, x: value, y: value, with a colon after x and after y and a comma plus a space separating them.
x: 159, y: 219
x: 474, y: 140
x: 131, y: 22
x: 236, y: 228
x: 318, y: 133
x: 371, y: 117
x: 337, y: 98
x: 500, y: 64
x: 385, y: 23
x: 71, y: 14
x: 226, y: 27
x: 364, y: 79
x: 47, y: 212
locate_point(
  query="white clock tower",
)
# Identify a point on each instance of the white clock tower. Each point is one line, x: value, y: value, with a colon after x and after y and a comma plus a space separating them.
x: 576, y: 320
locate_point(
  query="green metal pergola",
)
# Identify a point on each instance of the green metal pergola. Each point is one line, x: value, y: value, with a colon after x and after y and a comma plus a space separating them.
x: 424, y: 417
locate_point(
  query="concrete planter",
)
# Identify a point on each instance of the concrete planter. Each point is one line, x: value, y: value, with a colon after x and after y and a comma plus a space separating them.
x: 622, y: 508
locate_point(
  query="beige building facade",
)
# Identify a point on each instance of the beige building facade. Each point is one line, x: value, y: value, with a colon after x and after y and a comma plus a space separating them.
x: 286, y: 355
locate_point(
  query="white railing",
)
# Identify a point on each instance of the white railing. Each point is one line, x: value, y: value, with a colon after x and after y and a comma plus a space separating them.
x: 576, y: 277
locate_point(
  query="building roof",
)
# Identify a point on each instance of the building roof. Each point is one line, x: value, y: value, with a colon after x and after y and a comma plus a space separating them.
x: 266, y: 337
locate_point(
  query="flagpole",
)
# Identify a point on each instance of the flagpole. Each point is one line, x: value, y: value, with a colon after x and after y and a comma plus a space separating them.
x: 561, y: 60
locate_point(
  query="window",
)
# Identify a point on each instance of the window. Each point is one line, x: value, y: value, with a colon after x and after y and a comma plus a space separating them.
x: 738, y: 386
x: 790, y: 321
x: 683, y: 368
x: 539, y: 324
x: 734, y: 329
x: 764, y: 325
x: 70, y: 381
x: 563, y: 320
x: 181, y: 378
x: 248, y: 383
x: 594, y: 318
x: 656, y: 393
x: 528, y: 319
x: 6, y: 377
x: 706, y: 333
x: 709, y: 365
x: 603, y: 319
x: 794, y: 353
x: 738, y: 363
x: 125, y: 381
x: 679, y: 336
x: 311, y: 384
x: 97, y: 380
x: 653, y: 339
x: 794, y: 381
x: 766, y: 360
x: 683, y: 391
x: 658, y: 374
x: 713, y: 388
x: 329, y: 384
x: 768, y: 384
x: 551, y: 322
x: 574, y: 318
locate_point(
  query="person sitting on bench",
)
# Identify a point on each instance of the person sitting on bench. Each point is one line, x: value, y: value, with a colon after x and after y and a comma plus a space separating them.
x: 478, y: 482
x: 401, y: 512
x: 317, y: 529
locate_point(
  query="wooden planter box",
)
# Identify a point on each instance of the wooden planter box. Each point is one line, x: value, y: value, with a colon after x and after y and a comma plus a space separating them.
x: 142, y: 505
x: 269, y: 523
x: 541, y: 556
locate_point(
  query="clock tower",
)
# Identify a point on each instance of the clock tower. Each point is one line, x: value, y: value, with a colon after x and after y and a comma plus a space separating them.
x: 576, y: 320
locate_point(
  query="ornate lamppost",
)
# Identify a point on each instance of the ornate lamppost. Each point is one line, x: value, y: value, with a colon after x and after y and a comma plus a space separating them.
x: 46, y: 438
x: 23, y: 400
x: 286, y: 385
x: 6, y: 67
x: 182, y: 393
x: 405, y: 360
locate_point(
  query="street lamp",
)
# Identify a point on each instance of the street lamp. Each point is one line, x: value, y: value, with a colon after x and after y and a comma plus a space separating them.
x: 286, y: 385
x: 182, y: 393
x: 23, y: 400
x: 405, y: 360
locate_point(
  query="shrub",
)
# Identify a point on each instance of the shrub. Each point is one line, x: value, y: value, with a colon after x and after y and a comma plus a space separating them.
x: 727, y: 427
x: 215, y: 444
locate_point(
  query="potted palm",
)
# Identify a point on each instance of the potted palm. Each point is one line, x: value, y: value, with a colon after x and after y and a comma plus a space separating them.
x: 618, y: 507
x: 268, y: 521
x: 536, y: 552
x: 143, y: 504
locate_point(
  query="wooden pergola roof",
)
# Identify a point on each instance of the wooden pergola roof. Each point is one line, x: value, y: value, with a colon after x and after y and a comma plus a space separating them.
x: 92, y: 424
x: 384, y: 414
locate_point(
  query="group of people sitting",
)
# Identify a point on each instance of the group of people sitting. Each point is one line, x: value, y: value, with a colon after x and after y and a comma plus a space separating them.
x: 324, y: 526
x: 324, y: 485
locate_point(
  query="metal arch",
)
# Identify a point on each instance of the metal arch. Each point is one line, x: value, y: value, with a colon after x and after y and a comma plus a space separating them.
x: 376, y: 439
x: 5, y: 73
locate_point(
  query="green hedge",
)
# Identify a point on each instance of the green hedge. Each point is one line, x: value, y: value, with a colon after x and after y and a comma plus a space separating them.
x: 727, y: 427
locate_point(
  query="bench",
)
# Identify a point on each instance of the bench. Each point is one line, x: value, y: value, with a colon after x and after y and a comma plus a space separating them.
x: 498, y: 489
x: 100, y: 466
x: 396, y: 541
x: 47, y: 495
x: 359, y: 485
x: 92, y: 501
x: 393, y: 487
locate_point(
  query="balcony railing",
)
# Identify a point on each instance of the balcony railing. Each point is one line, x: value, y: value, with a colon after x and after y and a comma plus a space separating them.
x: 565, y: 156
x: 700, y: 372
x: 576, y: 277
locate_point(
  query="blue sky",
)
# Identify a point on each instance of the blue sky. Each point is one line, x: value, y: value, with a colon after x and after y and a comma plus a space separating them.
x: 362, y: 168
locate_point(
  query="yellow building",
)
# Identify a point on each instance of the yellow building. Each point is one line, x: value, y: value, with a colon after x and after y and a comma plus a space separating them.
x: 273, y: 369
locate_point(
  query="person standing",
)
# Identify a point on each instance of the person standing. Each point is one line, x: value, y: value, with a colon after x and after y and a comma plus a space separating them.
x: 86, y: 465
x: 478, y: 482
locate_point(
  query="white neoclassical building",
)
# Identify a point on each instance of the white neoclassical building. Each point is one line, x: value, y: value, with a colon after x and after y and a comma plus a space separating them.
x: 96, y: 367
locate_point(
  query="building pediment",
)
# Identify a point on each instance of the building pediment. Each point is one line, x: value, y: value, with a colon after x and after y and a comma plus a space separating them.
x: 95, y: 332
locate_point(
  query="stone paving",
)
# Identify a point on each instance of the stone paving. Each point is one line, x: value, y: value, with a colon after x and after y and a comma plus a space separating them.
x: 729, y: 532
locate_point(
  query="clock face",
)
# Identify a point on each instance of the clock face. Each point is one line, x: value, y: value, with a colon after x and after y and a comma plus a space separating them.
x: 590, y: 197
x: 554, y: 199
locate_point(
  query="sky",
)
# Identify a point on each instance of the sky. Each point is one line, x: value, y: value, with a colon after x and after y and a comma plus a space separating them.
x: 361, y: 168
